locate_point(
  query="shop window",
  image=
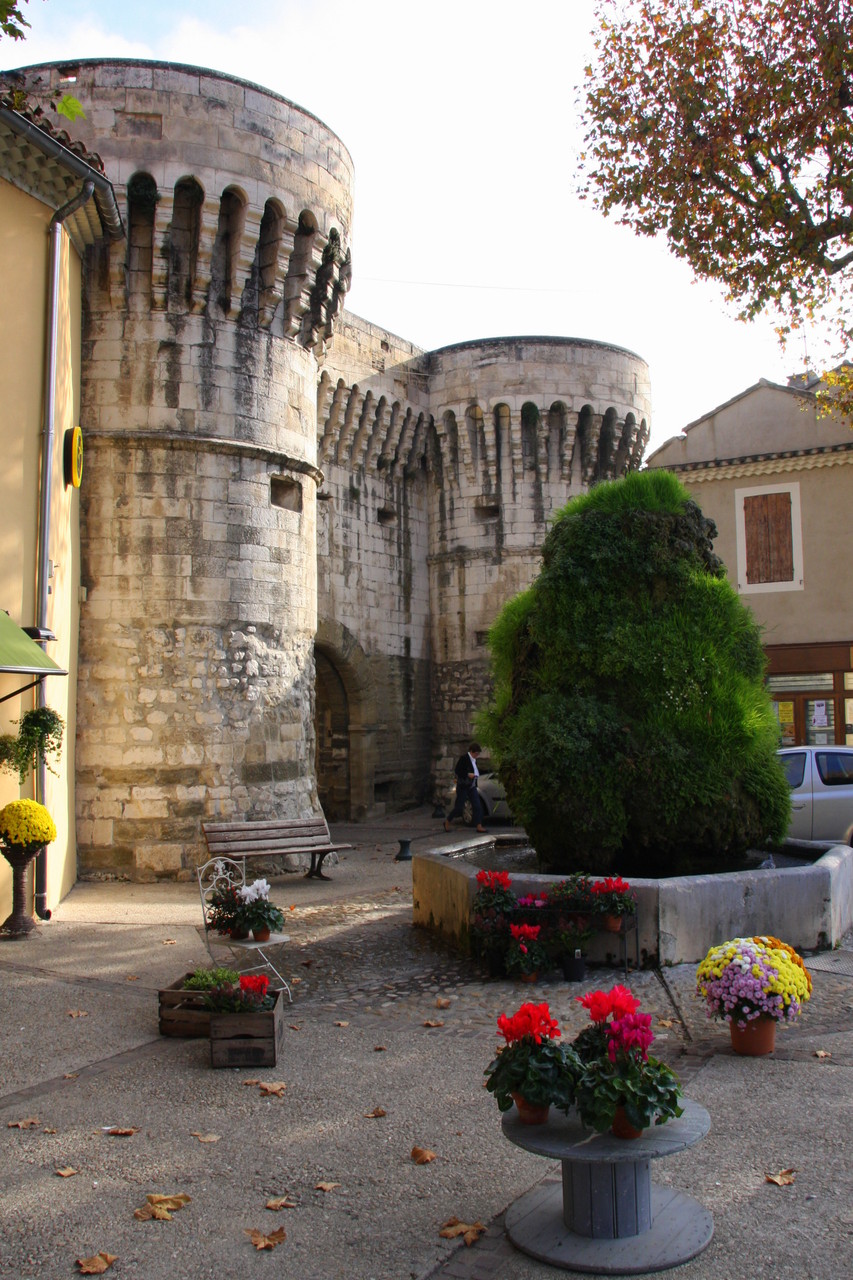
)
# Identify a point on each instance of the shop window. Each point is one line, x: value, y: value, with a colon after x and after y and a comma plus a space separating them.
x: 769, y: 539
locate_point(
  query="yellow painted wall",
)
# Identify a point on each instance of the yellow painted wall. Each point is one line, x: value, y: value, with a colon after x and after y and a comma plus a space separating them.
x: 24, y: 272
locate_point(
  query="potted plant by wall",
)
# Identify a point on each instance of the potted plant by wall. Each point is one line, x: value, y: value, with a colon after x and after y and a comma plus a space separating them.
x: 491, y: 909
x: 753, y: 984
x: 574, y: 900
x: 565, y: 947
x: 25, y: 827
x: 39, y: 736
x: 257, y: 913
x: 613, y: 898
x: 525, y: 954
x: 531, y: 1070
x: 619, y: 1086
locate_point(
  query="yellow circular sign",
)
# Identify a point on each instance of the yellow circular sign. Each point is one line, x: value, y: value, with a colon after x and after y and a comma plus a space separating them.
x: 73, y: 459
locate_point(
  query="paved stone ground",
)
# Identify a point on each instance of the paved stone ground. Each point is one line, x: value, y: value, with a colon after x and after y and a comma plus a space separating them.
x: 365, y: 984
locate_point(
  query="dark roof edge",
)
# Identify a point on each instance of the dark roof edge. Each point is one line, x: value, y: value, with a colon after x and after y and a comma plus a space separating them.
x: 538, y: 337
x: 105, y: 199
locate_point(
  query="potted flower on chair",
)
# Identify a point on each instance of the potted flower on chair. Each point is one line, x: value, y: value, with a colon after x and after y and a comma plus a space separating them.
x: 257, y: 912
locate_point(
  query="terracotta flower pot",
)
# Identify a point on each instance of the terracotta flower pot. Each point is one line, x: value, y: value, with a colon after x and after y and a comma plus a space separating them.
x: 622, y: 1127
x: 754, y: 1040
x: 529, y: 1114
x: 262, y: 934
x: 529, y: 977
x: 613, y: 924
x: 238, y: 933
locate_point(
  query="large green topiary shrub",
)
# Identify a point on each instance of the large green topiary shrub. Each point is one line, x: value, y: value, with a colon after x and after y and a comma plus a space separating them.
x: 631, y: 724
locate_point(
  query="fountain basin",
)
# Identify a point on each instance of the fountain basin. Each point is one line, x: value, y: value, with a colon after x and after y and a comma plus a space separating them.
x: 679, y: 918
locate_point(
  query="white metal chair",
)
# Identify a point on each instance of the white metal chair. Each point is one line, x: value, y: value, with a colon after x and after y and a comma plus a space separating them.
x: 222, y: 873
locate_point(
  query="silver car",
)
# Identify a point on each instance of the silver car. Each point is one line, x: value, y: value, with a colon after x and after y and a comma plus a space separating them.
x: 821, y: 782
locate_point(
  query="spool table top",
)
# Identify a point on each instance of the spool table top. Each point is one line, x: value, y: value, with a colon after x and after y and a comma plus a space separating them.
x: 564, y: 1137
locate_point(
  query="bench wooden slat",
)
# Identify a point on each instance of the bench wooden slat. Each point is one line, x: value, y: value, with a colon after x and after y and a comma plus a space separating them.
x: 272, y: 839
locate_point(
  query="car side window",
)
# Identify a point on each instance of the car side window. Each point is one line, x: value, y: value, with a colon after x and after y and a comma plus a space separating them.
x: 835, y: 768
x: 795, y: 768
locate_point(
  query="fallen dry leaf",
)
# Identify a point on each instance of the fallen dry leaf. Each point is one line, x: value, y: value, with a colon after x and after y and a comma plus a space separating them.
x: 67, y: 1172
x: 131, y: 977
x: 205, y: 1137
x: 161, y: 1208
x: 170, y: 942
x: 375, y: 1114
x: 280, y: 1202
x: 260, y: 1241
x: 442, y: 1002
x: 272, y: 1088
x: 77, y: 1013
x: 251, y: 1082
x: 97, y: 1264
x: 470, y: 1231
x: 115, y: 1131
x: 325, y: 1186
x: 292, y: 980
x: 341, y: 1024
x: 379, y: 1048
x: 71, y: 1075
x: 822, y: 1053
x: 666, y: 1022
x: 294, y: 1027
x: 29, y: 1123
x: 421, y: 1155
x: 783, y: 1179
x: 48, y: 1130
x: 433, y: 1022
x: 306, y: 964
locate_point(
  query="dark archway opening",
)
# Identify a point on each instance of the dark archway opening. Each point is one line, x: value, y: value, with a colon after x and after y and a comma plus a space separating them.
x: 332, y: 737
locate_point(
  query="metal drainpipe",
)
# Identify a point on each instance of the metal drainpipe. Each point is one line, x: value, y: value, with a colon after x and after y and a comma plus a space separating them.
x: 43, y: 543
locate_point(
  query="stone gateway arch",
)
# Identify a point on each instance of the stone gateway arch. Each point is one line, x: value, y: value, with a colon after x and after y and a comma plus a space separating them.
x: 296, y: 527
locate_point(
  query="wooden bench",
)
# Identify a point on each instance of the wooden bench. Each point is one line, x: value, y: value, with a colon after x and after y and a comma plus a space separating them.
x: 242, y: 840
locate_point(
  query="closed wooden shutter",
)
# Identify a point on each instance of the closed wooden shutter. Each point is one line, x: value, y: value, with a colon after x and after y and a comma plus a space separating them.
x: 769, y: 543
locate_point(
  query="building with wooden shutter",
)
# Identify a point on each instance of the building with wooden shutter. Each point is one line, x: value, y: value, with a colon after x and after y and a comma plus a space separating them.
x: 778, y: 482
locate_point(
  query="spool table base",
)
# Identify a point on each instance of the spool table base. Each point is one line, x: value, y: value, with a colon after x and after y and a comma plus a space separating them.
x: 680, y: 1229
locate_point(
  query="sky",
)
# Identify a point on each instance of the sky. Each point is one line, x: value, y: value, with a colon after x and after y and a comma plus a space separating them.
x: 462, y: 119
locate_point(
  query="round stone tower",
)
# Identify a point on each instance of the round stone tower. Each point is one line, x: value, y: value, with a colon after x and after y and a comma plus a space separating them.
x: 201, y: 343
x: 522, y: 425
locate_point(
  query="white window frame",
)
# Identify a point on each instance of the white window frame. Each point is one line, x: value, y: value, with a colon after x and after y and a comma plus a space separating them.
x: 796, y: 583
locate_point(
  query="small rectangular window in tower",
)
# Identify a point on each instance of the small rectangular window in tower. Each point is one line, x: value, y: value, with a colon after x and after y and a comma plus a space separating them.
x: 285, y: 493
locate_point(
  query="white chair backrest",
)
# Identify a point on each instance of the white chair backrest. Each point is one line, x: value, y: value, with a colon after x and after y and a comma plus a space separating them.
x: 218, y: 873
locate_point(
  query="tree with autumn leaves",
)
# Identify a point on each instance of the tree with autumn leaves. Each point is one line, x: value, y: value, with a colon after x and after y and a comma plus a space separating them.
x: 728, y: 126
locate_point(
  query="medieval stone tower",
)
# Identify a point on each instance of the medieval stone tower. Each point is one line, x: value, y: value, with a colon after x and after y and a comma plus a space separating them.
x: 297, y: 527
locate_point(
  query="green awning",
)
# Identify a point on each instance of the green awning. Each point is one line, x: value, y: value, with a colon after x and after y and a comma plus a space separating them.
x: 21, y: 654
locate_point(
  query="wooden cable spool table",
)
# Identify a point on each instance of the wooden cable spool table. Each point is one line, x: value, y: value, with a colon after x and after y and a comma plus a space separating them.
x: 606, y: 1215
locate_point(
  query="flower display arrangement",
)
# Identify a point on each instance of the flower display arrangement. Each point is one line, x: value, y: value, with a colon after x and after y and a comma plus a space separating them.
x: 249, y: 994
x: 235, y: 910
x: 26, y: 824
x: 491, y: 909
x: 525, y: 953
x: 256, y: 912
x: 531, y: 1065
x: 205, y: 979
x: 618, y: 1081
x: 749, y: 978
x: 613, y: 896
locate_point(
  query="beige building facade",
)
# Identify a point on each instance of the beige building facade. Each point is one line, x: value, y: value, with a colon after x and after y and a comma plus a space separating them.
x: 295, y: 527
x: 777, y: 479
x: 43, y: 241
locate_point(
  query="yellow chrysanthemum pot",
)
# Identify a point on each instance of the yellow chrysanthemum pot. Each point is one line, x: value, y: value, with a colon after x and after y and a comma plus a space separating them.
x: 25, y: 827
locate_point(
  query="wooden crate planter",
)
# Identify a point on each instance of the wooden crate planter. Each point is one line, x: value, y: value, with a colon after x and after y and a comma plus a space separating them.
x: 247, y: 1039
x: 182, y: 1012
